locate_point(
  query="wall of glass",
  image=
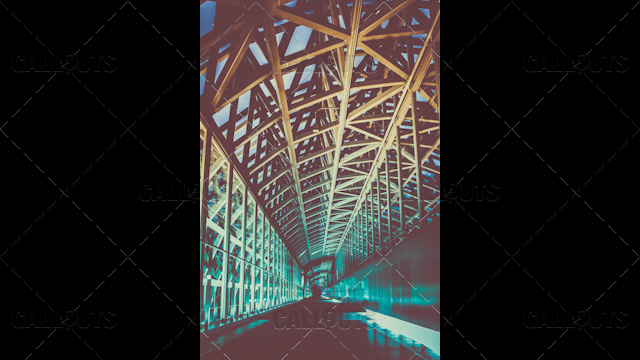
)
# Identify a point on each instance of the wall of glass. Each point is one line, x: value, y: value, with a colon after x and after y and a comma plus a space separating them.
x: 245, y: 267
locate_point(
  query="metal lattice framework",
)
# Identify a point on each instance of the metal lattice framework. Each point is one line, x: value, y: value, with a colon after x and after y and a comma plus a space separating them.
x: 328, y: 110
x: 245, y: 266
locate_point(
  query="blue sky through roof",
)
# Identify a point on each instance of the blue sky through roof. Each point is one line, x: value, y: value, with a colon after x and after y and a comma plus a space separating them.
x: 307, y: 73
x: 299, y: 40
x: 243, y: 101
x: 207, y: 15
x: 257, y: 52
x: 288, y: 79
x: 222, y: 116
x: 220, y: 67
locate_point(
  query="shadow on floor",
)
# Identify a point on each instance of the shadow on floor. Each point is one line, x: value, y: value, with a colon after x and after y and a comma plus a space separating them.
x: 308, y: 330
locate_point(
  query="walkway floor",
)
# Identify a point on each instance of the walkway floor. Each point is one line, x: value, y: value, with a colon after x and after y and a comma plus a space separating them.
x: 339, y: 333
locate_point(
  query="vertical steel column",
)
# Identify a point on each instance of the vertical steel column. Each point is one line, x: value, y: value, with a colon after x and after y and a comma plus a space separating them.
x: 265, y: 276
x: 354, y: 252
x: 253, y: 258
x: 204, y: 184
x: 416, y: 151
x: 366, y: 226
x: 225, y: 246
x: 356, y: 239
x: 379, y: 205
x: 243, y: 257
x: 269, y: 269
x: 285, y: 270
x: 367, y: 221
x: 290, y: 277
x: 371, y: 221
x: 262, y: 271
x: 290, y: 296
x: 362, y: 233
x: 280, y: 274
x: 286, y: 278
x: 272, y: 265
x: 350, y: 247
x: 352, y: 244
x: 270, y: 293
x: 356, y: 242
x: 204, y: 215
x: 348, y: 257
x: 400, y: 187
x: 360, y: 237
x: 276, y: 268
x: 388, y: 180
x: 374, y: 212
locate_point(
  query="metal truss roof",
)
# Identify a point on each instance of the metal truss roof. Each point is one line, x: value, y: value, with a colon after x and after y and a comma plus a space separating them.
x: 322, y: 102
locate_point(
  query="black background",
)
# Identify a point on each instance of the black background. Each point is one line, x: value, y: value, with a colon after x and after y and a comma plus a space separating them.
x: 560, y: 233
x: 78, y: 149
x: 107, y: 224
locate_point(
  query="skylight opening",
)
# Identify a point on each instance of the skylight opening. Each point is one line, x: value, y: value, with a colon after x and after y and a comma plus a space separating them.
x: 240, y: 132
x: 279, y: 37
x: 264, y: 89
x: 207, y: 17
x: 222, y: 116
x: 288, y: 79
x: 257, y: 52
x: 203, y: 81
x: 307, y: 73
x: 299, y: 40
x: 219, y: 68
x: 243, y: 101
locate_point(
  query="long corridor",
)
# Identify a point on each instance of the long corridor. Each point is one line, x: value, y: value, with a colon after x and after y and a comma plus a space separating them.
x: 320, y: 172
